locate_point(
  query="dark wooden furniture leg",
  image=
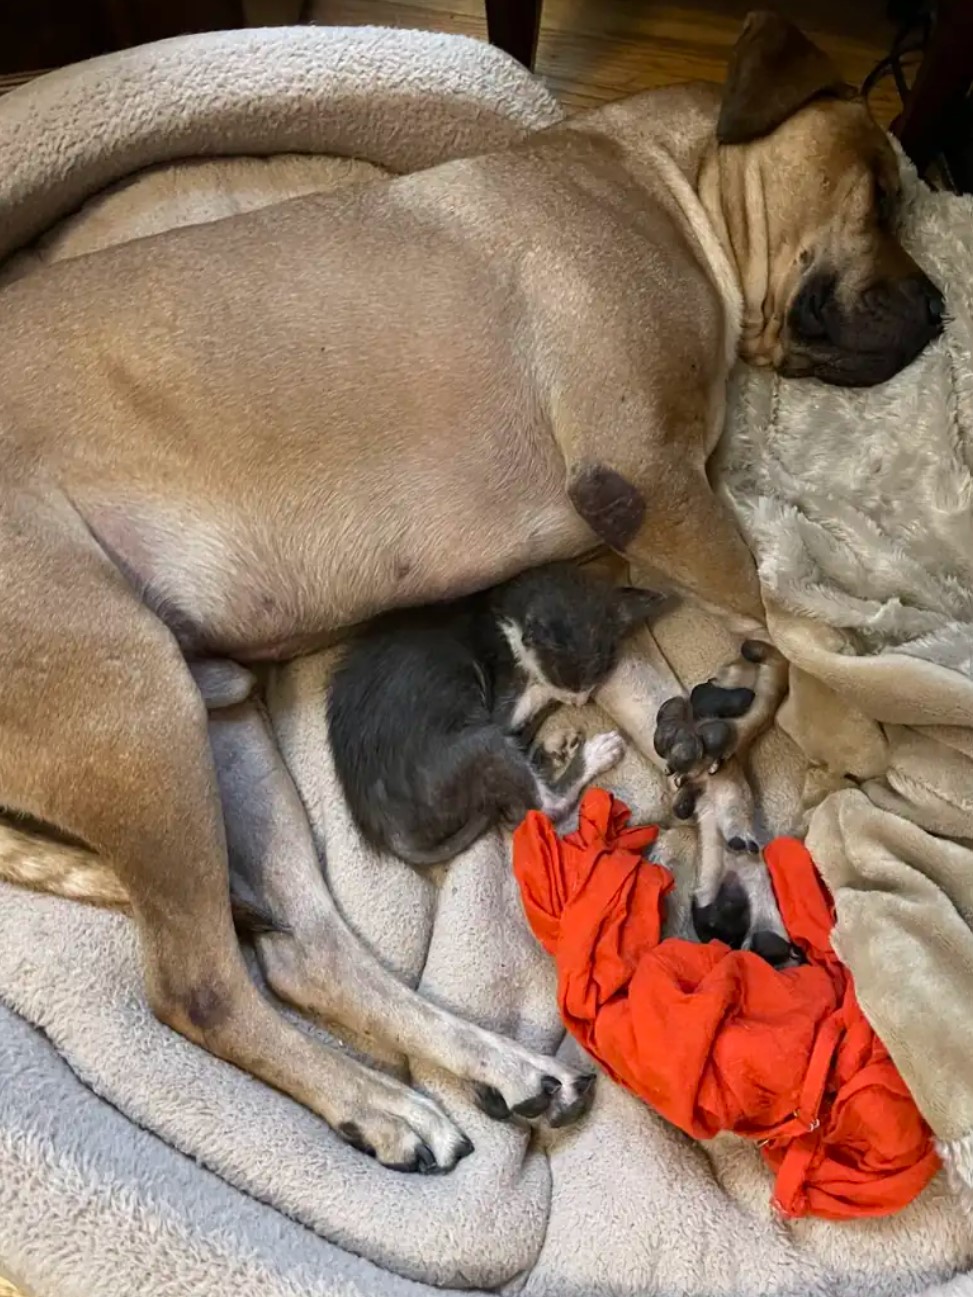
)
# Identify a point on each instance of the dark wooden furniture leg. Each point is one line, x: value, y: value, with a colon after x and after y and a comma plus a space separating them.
x: 39, y: 34
x: 512, y: 25
x: 943, y: 79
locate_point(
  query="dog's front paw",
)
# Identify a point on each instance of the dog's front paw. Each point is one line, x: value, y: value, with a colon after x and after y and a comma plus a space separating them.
x: 402, y: 1130
x: 695, y: 745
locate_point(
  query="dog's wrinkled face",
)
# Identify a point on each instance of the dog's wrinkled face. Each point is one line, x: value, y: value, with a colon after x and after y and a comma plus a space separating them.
x: 810, y: 187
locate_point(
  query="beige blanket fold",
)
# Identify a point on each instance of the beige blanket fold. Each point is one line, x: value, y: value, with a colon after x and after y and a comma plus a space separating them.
x: 127, y: 1154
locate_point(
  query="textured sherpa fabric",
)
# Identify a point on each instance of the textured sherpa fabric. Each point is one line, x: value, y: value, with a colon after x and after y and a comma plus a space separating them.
x: 859, y: 508
x: 131, y: 1161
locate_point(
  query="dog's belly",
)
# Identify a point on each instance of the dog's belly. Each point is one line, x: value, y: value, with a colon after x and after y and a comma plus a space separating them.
x: 235, y: 584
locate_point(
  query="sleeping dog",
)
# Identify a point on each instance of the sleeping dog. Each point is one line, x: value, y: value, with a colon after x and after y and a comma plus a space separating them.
x: 236, y: 440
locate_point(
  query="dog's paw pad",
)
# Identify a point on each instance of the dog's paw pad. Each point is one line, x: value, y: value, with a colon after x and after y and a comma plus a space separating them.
x: 711, y: 701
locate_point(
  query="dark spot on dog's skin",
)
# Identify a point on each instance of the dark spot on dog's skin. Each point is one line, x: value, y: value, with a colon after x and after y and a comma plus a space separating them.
x: 402, y: 568
x: 710, y: 700
x: 206, y: 1007
x: 611, y: 506
x: 725, y: 919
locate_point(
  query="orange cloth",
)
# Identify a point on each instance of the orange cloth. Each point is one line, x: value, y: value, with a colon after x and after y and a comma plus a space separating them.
x: 716, y: 1039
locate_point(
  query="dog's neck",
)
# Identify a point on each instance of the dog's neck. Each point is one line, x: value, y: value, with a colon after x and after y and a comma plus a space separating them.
x: 672, y: 133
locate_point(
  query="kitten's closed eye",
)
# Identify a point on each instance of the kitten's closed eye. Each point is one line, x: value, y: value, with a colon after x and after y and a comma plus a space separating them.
x: 635, y: 606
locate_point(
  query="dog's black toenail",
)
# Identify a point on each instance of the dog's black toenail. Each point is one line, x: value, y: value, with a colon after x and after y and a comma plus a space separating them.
x: 351, y: 1134
x: 492, y: 1102
x: 737, y: 844
x: 550, y: 1084
x: 532, y: 1107
x: 772, y: 948
x: 585, y: 1092
x: 710, y: 701
x: 464, y: 1148
x: 426, y: 1163
x: 685, y: 803
x: 754, y: 650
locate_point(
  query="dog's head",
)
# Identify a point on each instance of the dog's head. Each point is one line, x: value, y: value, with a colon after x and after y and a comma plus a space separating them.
x: 808, y: 188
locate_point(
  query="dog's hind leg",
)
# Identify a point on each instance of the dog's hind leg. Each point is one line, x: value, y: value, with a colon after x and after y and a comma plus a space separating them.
x: 103, y: 736
x: 318, y: 963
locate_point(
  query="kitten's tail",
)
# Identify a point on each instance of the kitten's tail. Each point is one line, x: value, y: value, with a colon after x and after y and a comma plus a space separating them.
x: 454, y: 845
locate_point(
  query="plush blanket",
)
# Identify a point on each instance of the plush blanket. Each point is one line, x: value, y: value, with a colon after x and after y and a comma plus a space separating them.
x: 129, y: 1160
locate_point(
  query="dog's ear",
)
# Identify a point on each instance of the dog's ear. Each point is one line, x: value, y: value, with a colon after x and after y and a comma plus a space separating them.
x: 774, y: 70
x: 634, y: 606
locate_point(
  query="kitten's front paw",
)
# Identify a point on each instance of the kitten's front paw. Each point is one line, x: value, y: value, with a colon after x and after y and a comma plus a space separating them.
x: 601, y: 752
x: 561, y: 746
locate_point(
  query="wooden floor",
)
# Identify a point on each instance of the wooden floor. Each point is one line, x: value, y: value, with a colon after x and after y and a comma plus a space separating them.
x: 591, y: 51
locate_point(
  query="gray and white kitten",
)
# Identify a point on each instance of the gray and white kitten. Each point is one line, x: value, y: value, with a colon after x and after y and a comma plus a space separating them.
x: 433, y: 711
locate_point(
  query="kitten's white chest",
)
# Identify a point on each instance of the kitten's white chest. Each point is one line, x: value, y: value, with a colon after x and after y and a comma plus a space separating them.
x: 538, y: 691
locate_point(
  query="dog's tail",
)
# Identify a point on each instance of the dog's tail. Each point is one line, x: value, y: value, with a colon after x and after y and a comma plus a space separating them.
x: 33, y: 860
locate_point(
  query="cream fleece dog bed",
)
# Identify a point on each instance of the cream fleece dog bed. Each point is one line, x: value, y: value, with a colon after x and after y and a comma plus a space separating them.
x: 131, y: 1161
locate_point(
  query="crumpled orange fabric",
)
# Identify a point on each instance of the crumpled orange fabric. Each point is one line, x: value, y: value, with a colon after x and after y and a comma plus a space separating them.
x: 716, y: 1039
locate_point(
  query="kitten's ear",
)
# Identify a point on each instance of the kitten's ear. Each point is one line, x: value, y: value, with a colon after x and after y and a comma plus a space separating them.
x: 636, y: 607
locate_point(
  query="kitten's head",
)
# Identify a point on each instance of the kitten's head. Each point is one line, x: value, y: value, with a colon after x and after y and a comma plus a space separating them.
x: 573, y: 629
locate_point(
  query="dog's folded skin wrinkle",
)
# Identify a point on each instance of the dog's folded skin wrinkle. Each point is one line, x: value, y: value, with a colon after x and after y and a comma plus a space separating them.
x: 619, y: 244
